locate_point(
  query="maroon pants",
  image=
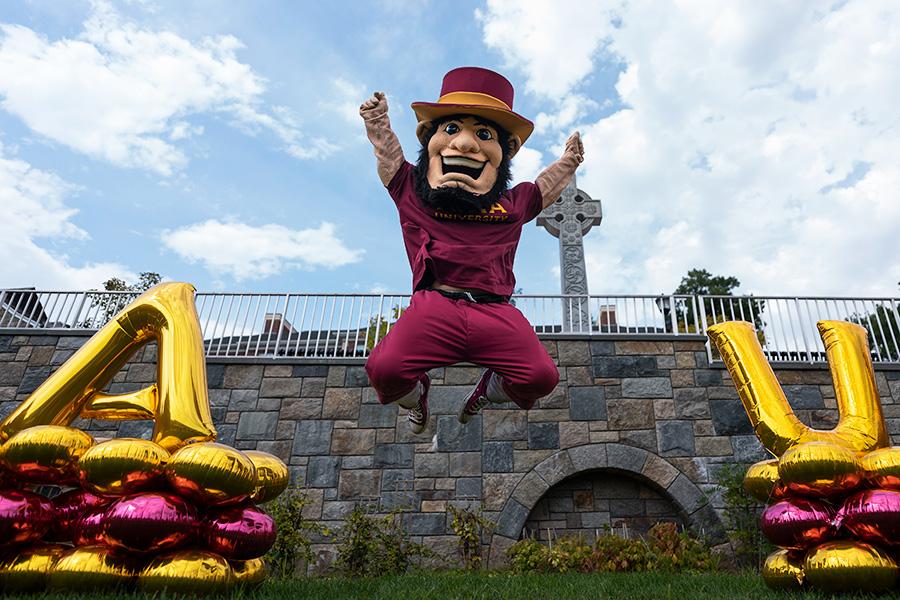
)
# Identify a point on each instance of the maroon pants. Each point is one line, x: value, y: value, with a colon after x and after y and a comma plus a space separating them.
x: 436, y: 331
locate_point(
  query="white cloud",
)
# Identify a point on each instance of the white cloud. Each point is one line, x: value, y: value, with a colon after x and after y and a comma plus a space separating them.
x: 526, y: 164
x: 126, y: 95
x: 246, y: 252
x: 33, y: 209
x: 757, y: 139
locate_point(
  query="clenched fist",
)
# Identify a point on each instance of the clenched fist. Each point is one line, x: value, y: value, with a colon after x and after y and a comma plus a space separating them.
x: 574, y: 147
x: 374, y: 107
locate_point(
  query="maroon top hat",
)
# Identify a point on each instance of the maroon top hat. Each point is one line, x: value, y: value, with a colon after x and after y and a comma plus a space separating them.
x: 475, y: 91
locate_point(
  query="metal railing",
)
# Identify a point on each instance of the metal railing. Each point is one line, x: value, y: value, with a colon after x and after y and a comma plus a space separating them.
x: 335, y: 326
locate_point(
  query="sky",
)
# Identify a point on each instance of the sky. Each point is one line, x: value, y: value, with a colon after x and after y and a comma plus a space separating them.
x: 218, y: 142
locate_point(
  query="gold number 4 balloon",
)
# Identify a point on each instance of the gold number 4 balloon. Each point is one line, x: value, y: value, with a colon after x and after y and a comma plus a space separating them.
x: 178, y: 402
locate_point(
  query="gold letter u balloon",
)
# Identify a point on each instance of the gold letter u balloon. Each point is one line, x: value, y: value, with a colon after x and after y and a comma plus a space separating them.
x: 178, y: 402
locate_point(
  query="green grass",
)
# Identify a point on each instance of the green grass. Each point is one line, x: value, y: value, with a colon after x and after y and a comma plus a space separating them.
x: 503, y: 586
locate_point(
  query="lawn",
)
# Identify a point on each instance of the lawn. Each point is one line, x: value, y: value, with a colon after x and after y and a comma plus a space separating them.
x: 502, y: 586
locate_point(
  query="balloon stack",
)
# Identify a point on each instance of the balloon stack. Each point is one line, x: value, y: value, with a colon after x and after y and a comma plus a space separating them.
x: 175, y: 513
x: 833, y: 496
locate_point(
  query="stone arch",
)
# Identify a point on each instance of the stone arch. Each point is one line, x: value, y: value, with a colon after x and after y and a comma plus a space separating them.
x: 636, y: 462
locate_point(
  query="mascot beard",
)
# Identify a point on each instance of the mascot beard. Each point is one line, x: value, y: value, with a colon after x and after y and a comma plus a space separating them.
x: 454, y: 199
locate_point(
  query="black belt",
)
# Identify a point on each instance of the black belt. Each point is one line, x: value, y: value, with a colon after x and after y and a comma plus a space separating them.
x: 476, y: 297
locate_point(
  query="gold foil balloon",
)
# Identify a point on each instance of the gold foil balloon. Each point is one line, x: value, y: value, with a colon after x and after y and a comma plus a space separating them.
x: 783, y: 570
x: 847, y: 566
x: 819, y: 469
x: 29, y: 569
x: 861, y: 426
x: 212, y: 474
x: 178, y: 402
x: 762, y: 481
x: 882, y: 468
x: 89, y: 568
x: 248, y: 572
x: 46, y: 453
x: 272, y: 476
x: 187, y: 572
x: 123, y: 466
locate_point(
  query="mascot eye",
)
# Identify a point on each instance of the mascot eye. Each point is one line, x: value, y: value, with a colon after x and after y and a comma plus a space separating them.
x: 452, y: 128
x: 484, y: 134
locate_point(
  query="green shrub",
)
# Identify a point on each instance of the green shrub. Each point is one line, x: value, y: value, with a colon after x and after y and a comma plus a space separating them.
x: 293, y: 543
x: 369, y: 546
x: 664, y: 549
x: 469, y: 526
x: 742, y: 513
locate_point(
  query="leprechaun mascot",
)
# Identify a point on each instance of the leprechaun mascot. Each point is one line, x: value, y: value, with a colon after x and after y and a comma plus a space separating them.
x: 461, y: 224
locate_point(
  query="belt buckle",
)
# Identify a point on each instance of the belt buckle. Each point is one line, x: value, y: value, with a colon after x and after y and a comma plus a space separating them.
x: 470, y: 297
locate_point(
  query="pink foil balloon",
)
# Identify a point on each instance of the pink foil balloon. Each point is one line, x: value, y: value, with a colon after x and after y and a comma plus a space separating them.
x: 797, y: 523
x: 873, y: 516
x: 69, y: 507
x: 88, y: 529
x: 149, y: 522
x: 240, y: 533
x: 24, y: 517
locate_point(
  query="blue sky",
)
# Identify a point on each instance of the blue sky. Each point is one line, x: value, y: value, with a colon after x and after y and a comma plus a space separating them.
x: 218, y: 142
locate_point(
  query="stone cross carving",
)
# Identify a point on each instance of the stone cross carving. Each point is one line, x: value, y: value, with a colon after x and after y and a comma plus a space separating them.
x: 569, y: 219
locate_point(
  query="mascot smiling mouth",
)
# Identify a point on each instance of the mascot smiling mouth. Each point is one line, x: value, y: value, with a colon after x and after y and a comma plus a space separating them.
x: 463, y: 165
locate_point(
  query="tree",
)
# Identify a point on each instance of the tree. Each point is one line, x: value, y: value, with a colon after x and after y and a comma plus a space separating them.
x: 700, y: 282
x: 109, y: 304
x: 883, y: 332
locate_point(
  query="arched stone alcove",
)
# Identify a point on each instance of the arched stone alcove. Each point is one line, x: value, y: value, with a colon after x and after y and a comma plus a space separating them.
x: 648, y: 468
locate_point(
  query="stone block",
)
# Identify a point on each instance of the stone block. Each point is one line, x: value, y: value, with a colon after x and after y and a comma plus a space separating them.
x: 579, y: 376
x: 666, y: 362
x: 280, y: 387
x: 403, y: 501
x: 659, y: 471
x: 243, y: 400
x: 141, y: 373
x: 639, y: 438
x: 257, y: 426
x: 341, y: 403
x: 397, y: 480
x: 447, y: 399
x: 629, y: 414
x: 296, y: 409
x: 360, y: 484
x: 525, y: 460
x: 312, y: 387
x: 556, y: 398
x: 542, y: 436
x: 664, y: 409
x: 73, y: 342
x: 511, y: 519
x: 215, y: 376
x: 353, y: 441
x: 708, y: 377
x: 465, y: 464
x: 33, y: 377
x: 377, y: 415
x: 468, y: 487
x: 573, y: 434
x: 505, y: 424
x: 626, y: 458
x: 603, y: 348
x: 497, y: 457
x: 555, y: 468
x: 713, y: 446
x: 358, y: 462
x: 682, y: 378
x: 676, y: 438
x: 243, y: 377
x: 647, y: 387
x: 461, y: 375
x: 625, y: 366
x: 310, y: 371
x: 685, y: 494
x: 219, y: 397
x: 691, y: 403
x: 322, y: 471
x: 643, y: 347
x: 589, y: 457
x: 587, y: 404
x: 747, y: 449
x: 431, y: 465
x: 425, y: 523
x: 312, y: 437
x: 572, y: 352
x: 337, y: 510
x: 356, y: 377
x: 804, y: 397
x: 336, y: 375
x: 453, y: 436
x: 729, y: 417
x: 393, y: 456
x: 278, y: 371
x: 268, y: 404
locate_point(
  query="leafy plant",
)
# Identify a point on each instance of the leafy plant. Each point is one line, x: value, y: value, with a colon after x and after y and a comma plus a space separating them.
x: 742, y: 512
x: 293, y: 543
x: 379, y: 327
x: 469, y: 527
x: 369, y: 545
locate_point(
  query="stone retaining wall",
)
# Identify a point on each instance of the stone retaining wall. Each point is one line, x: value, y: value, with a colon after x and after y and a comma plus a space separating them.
x: 650, y: 411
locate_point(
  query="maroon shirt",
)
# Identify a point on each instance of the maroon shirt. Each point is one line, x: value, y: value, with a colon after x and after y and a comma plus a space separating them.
x: 467, y: 251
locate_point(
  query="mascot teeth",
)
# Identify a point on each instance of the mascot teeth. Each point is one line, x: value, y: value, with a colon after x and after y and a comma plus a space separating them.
x: 460, y: 161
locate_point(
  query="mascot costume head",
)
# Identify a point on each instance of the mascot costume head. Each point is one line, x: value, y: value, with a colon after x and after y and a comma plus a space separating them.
x: 468, y: 137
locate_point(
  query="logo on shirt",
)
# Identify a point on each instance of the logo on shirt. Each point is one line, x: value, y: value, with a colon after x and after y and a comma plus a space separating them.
x: 496, y: 213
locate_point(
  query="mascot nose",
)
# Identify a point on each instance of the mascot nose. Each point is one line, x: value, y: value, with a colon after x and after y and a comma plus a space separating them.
x: 464, y: 142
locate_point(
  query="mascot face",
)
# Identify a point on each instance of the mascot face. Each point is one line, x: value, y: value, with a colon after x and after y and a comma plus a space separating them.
x: 464, y: 153
x: 464, y: 164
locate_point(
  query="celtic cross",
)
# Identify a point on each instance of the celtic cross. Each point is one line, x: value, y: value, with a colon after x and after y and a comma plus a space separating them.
x: 569, y: 219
